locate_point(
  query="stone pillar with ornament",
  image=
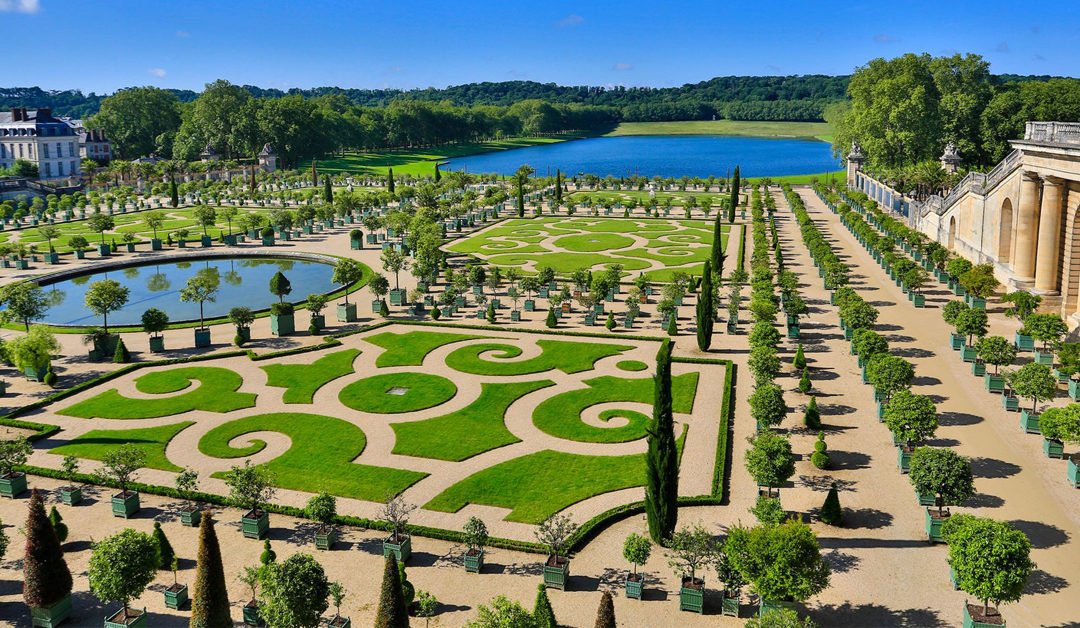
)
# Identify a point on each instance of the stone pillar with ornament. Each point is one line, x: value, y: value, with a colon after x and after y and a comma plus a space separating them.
x: 950, y: 159
x: 855, y: 160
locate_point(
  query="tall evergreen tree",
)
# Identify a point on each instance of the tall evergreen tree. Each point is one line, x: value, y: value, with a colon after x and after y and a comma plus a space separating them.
x: 661, y: 461
x: 164, y: 549
x: 46, y: 577
x: 605, y: 615
x: 735, y: 183
x: 328, y: 190
x: 558, y: 186
x: 390, y: 180
x: 438, y: 175
x: 543, y: 614
x: 716, y: 255
x: 521, y: 197
x: 314, y: 174
x: 706, y: 309
x: 210, y: 598
x: 392, y: 612
x: 174, y: 194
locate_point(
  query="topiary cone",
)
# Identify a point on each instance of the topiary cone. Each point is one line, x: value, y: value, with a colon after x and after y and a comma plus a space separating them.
x: 831, y: 513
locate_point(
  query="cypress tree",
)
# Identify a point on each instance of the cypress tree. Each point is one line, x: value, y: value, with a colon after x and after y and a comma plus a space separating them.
x: 383, y: 310
x: 734, y: 196
x: 812, y: 417
x: 390, y: 180
x: 210, y: 598
x: 831, y: 513
x: 543, y: 614
x: 661, y: 461
x: 174, y: 194
x: 551, y: 321
x: 438, y: 175
x: 521, y: 197
x: 314, y: 174
x: 392, y: 612
x: 164, y: 549
x: 46, y: 578
x: 804, y: 381
x: 328, y: 190
x: 706, y: 310
x: 558, y: 186
x: 605, y: 615
x: 716, y: 255
x: 58, y: 524
x: 799, y: 361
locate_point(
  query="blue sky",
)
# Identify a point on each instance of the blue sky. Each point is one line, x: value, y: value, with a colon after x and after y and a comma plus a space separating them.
x: 100, y: 45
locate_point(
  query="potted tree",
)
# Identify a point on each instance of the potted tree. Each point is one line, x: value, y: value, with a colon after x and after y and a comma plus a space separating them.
x: 347, y: 272
x: 102, y: 297
x: 395, y: 513
x: 944, y: 474
x: 733, y: 582
x: 200, y: 288
x: 241, y: 317
x: 154, y: 219
x: 888, y: 374
x: 181, y: 237
x: 770, y: 462
x: 691, y: 548
x: 250, y: 486
x: 32, y: 353
x: 912, y: 419
x: 971, y: 323
x: 915, y: 280
x: 323, y: 508
x: 190, y: 513
x: 337, y: 595
x: 250, y: 577
x: 554, y: 532
x: 118, y: 468
x: 1068, y: 366
x: 356, y: 239
x: 782, y: 563
x: 636, y: 550
x: 154, y: 321
x: 205, y: 216
x: 1050, y: 330
x: 378, y: 286
x: 316, y: 303
x: 1059, y: 425
x: 121, y: 566
x: 996, y: 351
x: 267, y: 235
x: 990, y: 560
x: 99, y: 224
x: 176, y: 594
x: 1032, y: 381
x: 980, y: 283
x: 282, y: 321
x: 78, y: 244
x: 70, y: 494
x: 50, y: 233
x: 13, y: 453
x: 46, y: 577
x: 476, y: 538
x: 1024, y: 304
x: 294, y: 592
x: 950, y: 313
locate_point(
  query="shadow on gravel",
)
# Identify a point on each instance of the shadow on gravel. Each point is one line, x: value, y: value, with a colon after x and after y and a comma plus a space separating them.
x: 1042, y: 535
x: 952, y: 419
x: 866, y: 519
x: 848, y: 460
x: 836, y: 409
x: 848, y: 614
x: 1041, y: 582
x: 913, y: 352
x: 984, y: 500
x: 992, y: 468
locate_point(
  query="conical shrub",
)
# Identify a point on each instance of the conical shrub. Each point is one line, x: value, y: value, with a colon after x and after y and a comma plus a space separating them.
x: 163, y: 548
x: 543, y: 614
x: 392, y: 612
x: 831, y: 513
x: 58, y: 524
x: 605, y: 615
x: 46, y: 577
x: 209, y: 598
x: 812, y: 417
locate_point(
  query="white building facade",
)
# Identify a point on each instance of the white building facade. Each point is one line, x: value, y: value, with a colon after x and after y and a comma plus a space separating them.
x: 38, y: 137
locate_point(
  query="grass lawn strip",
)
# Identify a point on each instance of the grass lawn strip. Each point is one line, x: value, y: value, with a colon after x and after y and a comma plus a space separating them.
x: 301, y: 381
x: 560, y: 415
x: 410, y: 348
x: 216, y: 393
x: 474, y: 429
x: 376, y: 394
x: 96, y: 444
x: 569, y: 357
x: 320, y: 457
x: 631, y: 365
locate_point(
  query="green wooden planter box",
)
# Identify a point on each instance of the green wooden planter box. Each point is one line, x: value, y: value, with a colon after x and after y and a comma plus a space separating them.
x: 968, y: 354
x: 794, y: 331
x: 251, y: 615
x: 849, y: 333
x: 13, y: 484
x: 346, y: 313
x: 952, y: 579
x: 176, y: 599
x: 116, y: 620
x: 994, y: 383
x: 318, y: 321
x: 104, y: 250
x: 515, y: 315
x: 978, y: 369
x: 634, y: 587
x: 255, y: 524
x: 730, y: 604
x: 969, y: 622
x: 1073, y: 470
x: 190, y: 515
x: 956, y: 341
x: 881, y: 411
x: 339, y: 622
x: 690, y: 598
x: 325, y: 537
x: 376, y: 305
x: 1074, y: 390
x: 1062, y: 377
x: 926, y: 499
x: 1029, y: 422
x: 772, y: 606
x: 354, y: 244
x: 530, y: 305
x: 1010, y: 403
x: 919, y: 300
x: 1053, y: 448
x: 474, y: 563
x: 933, y: 526
x: 401, y: 551
x: 397, y: 296
x: 1023, y: 343
x: 557, y: 576
x: 202, y: 337
x: 125, y: 505
x: 976, y: 303
x: 70, y: 495
x: 268, y: 241
x: 283, y: 324
x: 50, y: 616
x: 229, y: 239
x: 1045, y: 358
x: 157, y: 344
x: 903, y: 459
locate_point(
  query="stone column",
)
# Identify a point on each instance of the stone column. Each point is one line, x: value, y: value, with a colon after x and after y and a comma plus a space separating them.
x: 1049, y: 251
x: 1026, y: 228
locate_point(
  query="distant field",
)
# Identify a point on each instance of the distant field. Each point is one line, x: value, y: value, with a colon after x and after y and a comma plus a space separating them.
x: 816, y: 130
x: 421, y: 161
x: 804, y: 179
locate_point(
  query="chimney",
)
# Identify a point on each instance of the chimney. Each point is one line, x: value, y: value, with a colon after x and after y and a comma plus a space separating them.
x: 16, y: 114
x: 44, y: 113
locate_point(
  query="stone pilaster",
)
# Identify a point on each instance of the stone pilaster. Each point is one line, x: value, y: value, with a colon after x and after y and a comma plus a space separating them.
x: 1026, y: 228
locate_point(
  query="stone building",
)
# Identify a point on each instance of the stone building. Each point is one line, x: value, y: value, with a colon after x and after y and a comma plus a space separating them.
x: 36, y: 136
x: 93, y: 144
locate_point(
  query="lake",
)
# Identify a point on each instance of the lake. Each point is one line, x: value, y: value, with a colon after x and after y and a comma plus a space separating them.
x: 245, y: 281
x: 661, y: 155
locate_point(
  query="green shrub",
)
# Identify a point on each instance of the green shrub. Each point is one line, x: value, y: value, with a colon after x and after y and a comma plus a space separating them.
x: 812, y: 417
x: 804, y: 381
x: 58, y: 524
x: 831, y: 513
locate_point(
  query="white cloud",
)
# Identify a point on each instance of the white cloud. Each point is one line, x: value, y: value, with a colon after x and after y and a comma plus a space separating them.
x: 183, y: 34
x: 883, y: 38
x: 622, y: 67
x: 19, y: 6
x: 571, y: 20
x: 158, y: 72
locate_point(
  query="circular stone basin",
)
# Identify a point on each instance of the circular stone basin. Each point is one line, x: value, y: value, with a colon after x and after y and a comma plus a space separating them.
x: 594, y: 242
x: 244, y: 281
x: 394, y: 393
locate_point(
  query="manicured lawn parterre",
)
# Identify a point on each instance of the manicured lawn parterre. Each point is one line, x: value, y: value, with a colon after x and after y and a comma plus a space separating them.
x: 631, y: 365
x: 567, y: 356
x: 301, y: 381
x: 216, y: 392
x: 410, y: 348
x: 96, y: 444
x: 476, y: 428
x: 320, y: 456
x: 394, y: 393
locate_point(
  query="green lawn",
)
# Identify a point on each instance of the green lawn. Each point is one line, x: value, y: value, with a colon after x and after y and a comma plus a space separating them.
x: 320, y: 456
x: 411, y: 347
x: 567, y: 356
x: 560, y: 415
x: 301, y: 381
x: 421, y: 161
x: 476, y: 428
x: 817, y: 130
x: 216, y: 393
x: 631, y: 365
x: 804, y: 179
x: 96, y: 444
x: 376, y: 394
